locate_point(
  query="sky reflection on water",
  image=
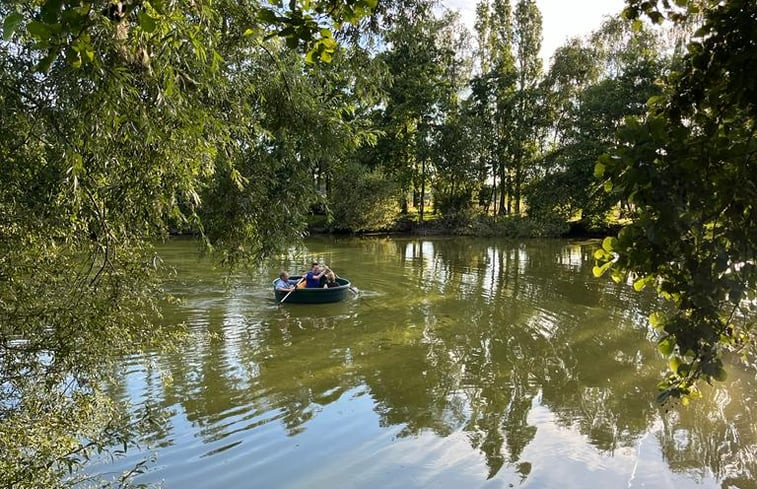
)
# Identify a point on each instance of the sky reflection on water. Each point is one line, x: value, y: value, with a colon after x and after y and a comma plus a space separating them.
x: 462, y: 363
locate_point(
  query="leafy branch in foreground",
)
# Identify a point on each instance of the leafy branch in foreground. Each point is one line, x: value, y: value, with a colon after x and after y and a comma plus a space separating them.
x: 118, y: 121
x: 688, y: 171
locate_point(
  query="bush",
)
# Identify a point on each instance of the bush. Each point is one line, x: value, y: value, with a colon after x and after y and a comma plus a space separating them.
x: 461, y: 221
x: 363, y: 201
x: 447, y: 204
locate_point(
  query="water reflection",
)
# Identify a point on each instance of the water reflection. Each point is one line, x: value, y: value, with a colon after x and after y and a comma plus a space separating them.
x: 512, y: 348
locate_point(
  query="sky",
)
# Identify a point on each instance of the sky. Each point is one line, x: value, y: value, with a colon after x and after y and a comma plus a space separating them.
x: 561, y: 19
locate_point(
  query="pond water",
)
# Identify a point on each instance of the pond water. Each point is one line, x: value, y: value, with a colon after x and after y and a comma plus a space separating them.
x: 460, y: 363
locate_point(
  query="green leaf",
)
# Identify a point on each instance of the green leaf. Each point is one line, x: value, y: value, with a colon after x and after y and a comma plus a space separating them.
x: 159, y: 6
x: 673, y: 364
x: 330, y: 44
x: 75, y: 60
x: 610, y: 243
x: 77, y: 164
x: 617, y: 276
x: 639, y: 285
x: 50, y: 11
x: 598, y: 271
x: 656, y: 100
x: 10, y: 25
x: 39, y: 30
x: 608, y: 186
x: 599, y: 170
x: 146, y: 23
x: 44, y: 64
x: 349, y: 14
x: 268, y: 16
x: 666, y: 345
x: 683, y: 369
x: 657, y: 320
x: 238, y: 180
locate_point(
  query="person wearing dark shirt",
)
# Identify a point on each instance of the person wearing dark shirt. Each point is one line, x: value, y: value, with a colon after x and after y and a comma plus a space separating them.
x: 313, y: 277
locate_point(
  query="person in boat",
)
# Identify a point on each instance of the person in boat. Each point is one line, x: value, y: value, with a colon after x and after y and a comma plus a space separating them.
x: 329, y: 280
x: 313, y: 277
x: 284, y: 284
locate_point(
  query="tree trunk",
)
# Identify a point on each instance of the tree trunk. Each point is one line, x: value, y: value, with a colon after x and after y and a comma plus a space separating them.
x: 423, y: 192
x: 504, y: 186
x: 504, y: 190
x: 493, y: 196
x: 517, y: 187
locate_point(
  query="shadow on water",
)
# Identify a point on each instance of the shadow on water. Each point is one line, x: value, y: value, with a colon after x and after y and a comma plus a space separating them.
x: 456, y: 354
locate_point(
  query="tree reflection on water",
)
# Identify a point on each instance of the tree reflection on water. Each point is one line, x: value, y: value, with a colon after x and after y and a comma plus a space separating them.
x: 463, y: 336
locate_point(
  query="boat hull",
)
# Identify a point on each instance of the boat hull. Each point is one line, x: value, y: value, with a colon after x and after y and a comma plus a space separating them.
x: 315, y: 296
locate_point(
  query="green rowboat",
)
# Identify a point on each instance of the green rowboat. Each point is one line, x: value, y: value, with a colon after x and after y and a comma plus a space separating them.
x: 314, y: 296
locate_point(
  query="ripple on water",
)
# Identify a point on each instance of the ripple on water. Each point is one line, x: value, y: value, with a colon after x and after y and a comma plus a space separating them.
x: 241, y: 451
x: 423, y: 380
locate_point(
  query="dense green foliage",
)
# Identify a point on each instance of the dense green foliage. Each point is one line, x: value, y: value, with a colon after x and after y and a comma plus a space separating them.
x: 425, y: 76
x: 689, y: 173
x: 492, y: 136
x: 120, y: 121
x: 591, y: 88
x: 363, y: 201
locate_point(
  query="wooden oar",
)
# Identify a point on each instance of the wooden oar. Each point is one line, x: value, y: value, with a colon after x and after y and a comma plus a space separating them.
x: 295, y: 288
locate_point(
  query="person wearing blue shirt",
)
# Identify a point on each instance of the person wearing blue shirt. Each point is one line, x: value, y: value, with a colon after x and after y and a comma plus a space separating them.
x: 313, y: 277
x: 284, y: 284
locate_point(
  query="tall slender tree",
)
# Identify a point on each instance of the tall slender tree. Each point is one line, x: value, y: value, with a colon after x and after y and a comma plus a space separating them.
x: 480, y: 105
x: 493, y: 90
x: 527, y: 37
x: 507, y: 88
x: 421, y: 63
